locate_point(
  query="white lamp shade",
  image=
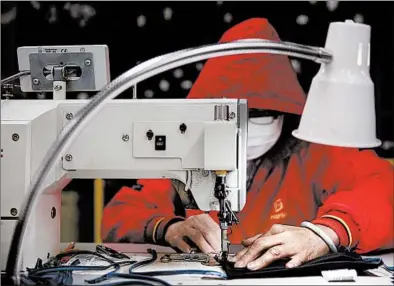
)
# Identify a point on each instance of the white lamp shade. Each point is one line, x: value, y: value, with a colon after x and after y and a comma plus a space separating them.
x: 340, y: 108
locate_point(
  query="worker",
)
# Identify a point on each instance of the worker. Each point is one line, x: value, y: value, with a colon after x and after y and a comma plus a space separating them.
x: 346, y: 192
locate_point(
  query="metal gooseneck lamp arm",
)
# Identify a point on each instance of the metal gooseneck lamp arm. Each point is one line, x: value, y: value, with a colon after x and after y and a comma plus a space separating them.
x: 130, y: 78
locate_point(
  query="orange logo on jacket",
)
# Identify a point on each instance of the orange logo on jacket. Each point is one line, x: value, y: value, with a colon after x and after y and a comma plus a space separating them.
x: 278, y: 207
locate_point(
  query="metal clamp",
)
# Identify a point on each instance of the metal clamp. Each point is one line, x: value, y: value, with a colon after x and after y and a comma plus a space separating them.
x: 205, y: 259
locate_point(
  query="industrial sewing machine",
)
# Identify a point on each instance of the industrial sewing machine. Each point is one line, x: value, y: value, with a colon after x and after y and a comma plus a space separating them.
x: 201, y: 143
x: 131, y: 139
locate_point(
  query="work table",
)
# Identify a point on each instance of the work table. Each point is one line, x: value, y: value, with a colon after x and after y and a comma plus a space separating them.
x: 139, y: 252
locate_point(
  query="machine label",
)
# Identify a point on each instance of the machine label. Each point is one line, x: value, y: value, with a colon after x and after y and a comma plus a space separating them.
x: 160, y: 143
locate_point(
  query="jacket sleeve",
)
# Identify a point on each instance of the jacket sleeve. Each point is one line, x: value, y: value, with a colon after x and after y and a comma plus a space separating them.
x: 140, y: 214
x: 356, y: 197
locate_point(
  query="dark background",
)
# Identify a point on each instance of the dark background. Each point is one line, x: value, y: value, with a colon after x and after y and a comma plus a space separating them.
x: 137, y: 31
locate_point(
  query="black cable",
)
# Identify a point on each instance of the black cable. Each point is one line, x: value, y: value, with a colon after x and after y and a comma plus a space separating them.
x: 50, y: 275
x: 14, y: 77
x: 62, y: 278
x: 104, y: 277
x: 62, y: 275
x: 79, y: 268
x: 128, y: 282
x: 153, y: 273
x: 36, y: 275
x: 78, y: 252
x: 142, y: 277
x: 144, y: 262
x: 131, y: 268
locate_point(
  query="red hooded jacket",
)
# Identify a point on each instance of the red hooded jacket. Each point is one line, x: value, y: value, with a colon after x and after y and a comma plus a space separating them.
x: 348, y: 190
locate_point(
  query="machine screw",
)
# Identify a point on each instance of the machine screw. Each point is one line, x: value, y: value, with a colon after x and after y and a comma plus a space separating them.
x: 69, y: 116
x: 58, y: 87
x: 232, y: 115
x: 14, y: 212
x: 183, y: 128
x: 15, y: 137
x: 149, y: 134
x: 68, y: 157
x: 53, y: 212
x: 36, y: 81
x: 125, y: 137
x: 214, y: 205
x: 205, y: 173
x: 88, y: 62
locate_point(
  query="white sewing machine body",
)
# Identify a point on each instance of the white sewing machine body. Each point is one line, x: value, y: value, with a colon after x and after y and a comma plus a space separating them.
x: 117, y: 144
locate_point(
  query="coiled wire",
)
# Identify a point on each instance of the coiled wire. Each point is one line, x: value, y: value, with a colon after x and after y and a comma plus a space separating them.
x: 62, y: 274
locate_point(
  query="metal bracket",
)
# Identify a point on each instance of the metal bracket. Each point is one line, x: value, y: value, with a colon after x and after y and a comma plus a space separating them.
x: 76, y: 68
x: 205, y: 259
x: 59, y: 90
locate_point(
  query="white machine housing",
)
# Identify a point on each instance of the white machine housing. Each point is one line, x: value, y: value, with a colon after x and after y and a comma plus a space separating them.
x: 116, y: 145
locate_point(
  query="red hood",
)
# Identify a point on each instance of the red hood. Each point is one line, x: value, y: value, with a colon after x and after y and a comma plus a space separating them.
x: 268, y: 81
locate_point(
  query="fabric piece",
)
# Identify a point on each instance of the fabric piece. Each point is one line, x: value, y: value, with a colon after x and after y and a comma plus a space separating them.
x: 314, y: 267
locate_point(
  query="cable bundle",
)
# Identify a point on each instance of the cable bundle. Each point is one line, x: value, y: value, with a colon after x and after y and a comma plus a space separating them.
x: 54, y: 272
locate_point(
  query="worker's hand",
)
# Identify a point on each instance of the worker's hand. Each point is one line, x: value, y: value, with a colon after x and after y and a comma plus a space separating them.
x: 282, y: 241
x: 202, y: 230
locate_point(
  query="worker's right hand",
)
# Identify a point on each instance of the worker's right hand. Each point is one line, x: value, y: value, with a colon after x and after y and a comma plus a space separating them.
x: 202, y: 230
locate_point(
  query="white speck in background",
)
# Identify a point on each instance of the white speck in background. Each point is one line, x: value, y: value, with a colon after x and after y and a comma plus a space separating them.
x: 67, y: 6
x: 52, y: 14
x: 387, y: 145
x: 228, y: 17
x: 141, y: 21
x: 81, y: 13
x: 164, y: 85
x: 138, y: 62
x: 219, y: 3
x: 358, y: 18
x: 332, y: 5
x: 186, y: 84
x: 167, y: 13
x: 149, y: 93
x: 83, y: 95
x: 313, y: 2
x: 87, y: 11
x: 296, y: 65
x: 8, y: 16
x: 178, y: 73
x: 36, y: 5
x: 302, y: 20
x: 199, y: 66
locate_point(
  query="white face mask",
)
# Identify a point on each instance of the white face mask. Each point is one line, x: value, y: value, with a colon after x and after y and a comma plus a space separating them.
x: 263, y: 133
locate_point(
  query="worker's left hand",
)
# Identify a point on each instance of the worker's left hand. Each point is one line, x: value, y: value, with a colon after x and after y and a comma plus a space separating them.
x: 280, y: 242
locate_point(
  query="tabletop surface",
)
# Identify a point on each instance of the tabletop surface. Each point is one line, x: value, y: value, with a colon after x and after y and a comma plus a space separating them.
x: 138, y: 252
